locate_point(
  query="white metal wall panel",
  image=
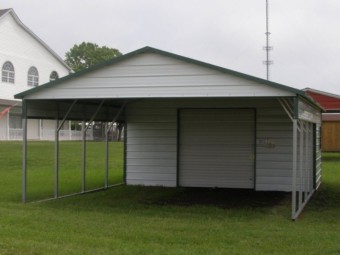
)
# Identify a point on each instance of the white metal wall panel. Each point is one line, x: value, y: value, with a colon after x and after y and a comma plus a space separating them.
x: 217, y: 148
x: 151, y: 75
x: 151, y: 144
x: 273, y: 149
x: 147, y: 138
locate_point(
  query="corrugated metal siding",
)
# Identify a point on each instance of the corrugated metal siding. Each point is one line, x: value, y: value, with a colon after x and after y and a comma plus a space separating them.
x: 318, y: 157
x: 152, y: 130
x: 274, y: 149
x: 217, y: 148
x: 151, y: 145
x: 152, y: 75
x: 307, y: 157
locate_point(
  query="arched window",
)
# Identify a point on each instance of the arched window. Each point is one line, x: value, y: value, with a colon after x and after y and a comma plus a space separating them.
x: 53, y: 76
x: 33, y: 77
x: 8, y: 74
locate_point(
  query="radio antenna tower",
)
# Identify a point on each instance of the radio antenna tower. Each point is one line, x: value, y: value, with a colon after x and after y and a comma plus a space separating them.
x: 267, y: 48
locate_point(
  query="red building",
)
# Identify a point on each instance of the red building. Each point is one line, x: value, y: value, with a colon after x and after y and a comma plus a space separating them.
x: 330, y: 118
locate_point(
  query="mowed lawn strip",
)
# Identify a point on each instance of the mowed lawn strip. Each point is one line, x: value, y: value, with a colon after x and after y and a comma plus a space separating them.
x: 153, y: 220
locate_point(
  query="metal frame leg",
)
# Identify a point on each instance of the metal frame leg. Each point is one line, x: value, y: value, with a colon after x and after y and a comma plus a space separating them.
x: 24, y: 151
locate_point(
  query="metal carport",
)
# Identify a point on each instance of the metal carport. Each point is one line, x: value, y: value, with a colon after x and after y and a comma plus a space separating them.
x: 117, y: 89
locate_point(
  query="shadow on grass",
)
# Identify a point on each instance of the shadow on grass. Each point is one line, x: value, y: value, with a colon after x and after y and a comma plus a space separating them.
x: 223, y: 198
x: 141, y: 200
x: 326, y: 198
x: 128, y: 197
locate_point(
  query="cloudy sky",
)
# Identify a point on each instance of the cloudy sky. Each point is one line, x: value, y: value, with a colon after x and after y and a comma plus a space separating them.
x: 305, y: 34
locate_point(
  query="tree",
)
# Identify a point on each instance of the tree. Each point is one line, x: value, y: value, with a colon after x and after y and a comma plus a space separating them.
x: 88, y: 54
x: 119, y: 129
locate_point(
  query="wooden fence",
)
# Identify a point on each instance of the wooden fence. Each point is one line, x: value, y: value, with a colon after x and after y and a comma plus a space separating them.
x: 331, y: 136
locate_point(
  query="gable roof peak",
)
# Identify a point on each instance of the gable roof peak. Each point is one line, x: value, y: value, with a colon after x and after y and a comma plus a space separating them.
x: 5, y: 12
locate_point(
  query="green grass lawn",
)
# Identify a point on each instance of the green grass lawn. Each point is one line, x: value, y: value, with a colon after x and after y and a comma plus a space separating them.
x: 153, y: 220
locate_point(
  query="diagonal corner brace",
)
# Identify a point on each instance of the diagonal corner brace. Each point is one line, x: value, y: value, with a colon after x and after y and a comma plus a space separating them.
x: 66, y: 115
x: 94, y: 115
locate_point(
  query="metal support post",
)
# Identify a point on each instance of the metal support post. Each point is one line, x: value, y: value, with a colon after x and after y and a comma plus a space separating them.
x: 7, y: 130
x: 106, y: 175
x: 294, y: 170
x: 83, y: 132
x: 308, y: 165
x: 84, y: 129
x: 109, y: 127
x: 24, y: 150
x: 56, y: 159
x: 56, y: 148
x: 306, y: 149
x: 301, y: 165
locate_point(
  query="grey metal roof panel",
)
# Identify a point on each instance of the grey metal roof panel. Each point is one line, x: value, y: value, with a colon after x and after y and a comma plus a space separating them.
x: 164, y: 53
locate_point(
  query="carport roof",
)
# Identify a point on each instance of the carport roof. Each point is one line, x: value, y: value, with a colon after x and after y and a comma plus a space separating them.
x: 330, y: 102
x: 163, y: 53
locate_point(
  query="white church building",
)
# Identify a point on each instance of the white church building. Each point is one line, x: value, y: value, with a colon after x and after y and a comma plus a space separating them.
x: 26, y: 62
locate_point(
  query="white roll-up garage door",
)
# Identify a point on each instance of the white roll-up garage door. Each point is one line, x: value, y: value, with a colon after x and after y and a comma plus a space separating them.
x: 216, y: 148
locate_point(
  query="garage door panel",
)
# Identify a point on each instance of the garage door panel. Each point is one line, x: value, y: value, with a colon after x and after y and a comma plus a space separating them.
x: 214, y: 127
x: 217, y: 153
x: 230, y: 175
x: 215, y: 157
x: 215, y: 139
x: 212, y: 161
x: 217, y: 148
x: 217, y: 117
